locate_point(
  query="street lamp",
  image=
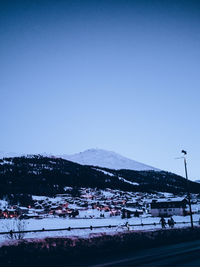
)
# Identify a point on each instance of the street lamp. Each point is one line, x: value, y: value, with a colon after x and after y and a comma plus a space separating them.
x: 188, y: 186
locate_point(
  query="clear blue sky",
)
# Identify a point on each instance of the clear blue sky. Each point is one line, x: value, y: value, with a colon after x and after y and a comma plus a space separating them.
x: 118, y: 75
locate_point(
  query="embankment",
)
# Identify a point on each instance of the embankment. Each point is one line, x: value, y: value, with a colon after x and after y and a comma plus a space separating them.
x: 67, y: 250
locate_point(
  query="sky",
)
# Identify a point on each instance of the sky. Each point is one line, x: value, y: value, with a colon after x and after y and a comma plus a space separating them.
x: 118, y: 75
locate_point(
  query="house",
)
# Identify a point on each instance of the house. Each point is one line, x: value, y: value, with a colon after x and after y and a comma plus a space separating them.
x: 22, y: 210
x: 132, y: 203
x: 168, y: 207
x: 9, y: 213
x: 127, y: 212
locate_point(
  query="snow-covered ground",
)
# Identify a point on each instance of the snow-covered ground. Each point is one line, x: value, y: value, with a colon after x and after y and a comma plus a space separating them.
x: 96, y: 207
x: 126, y: 181
x: 56, y: 223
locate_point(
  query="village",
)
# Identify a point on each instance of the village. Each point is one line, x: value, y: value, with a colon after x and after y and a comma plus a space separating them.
x: 98, y: 204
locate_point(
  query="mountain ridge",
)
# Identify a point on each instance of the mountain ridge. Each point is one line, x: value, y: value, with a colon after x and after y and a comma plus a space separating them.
x: 107, y: 159
x: 94, y: 157
x: 40, y: 175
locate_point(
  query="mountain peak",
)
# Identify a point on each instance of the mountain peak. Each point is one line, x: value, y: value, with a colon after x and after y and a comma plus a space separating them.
x: 107, y: 159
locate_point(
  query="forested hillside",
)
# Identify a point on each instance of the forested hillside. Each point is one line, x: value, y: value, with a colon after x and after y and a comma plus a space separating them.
x: 40, y: 175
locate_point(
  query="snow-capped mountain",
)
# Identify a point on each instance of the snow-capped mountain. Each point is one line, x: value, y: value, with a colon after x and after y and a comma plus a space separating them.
x: 107, y: 159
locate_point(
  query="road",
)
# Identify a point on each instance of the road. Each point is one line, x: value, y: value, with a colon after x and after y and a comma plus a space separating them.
x: 183, y: 254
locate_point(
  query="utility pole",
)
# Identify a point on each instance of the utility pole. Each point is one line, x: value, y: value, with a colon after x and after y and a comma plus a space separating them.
x: 188, y: 187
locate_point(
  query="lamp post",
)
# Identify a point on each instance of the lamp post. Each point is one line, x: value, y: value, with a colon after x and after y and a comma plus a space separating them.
x: 188, y: 187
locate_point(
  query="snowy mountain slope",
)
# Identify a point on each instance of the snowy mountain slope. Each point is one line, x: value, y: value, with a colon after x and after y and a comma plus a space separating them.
x: 51, y: 175
x: 107, y: 159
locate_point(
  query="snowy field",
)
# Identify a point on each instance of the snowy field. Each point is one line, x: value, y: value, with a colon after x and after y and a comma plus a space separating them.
x: 55, y: 223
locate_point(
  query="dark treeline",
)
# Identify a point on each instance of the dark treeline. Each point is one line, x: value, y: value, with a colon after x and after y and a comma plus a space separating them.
x: 49, y: 176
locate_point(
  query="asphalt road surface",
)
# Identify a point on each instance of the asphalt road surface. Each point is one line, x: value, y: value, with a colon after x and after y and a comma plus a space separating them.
x: 183, y: 254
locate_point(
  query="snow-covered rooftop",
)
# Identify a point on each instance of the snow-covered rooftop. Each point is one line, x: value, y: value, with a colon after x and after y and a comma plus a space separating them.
x: 174, y: 199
